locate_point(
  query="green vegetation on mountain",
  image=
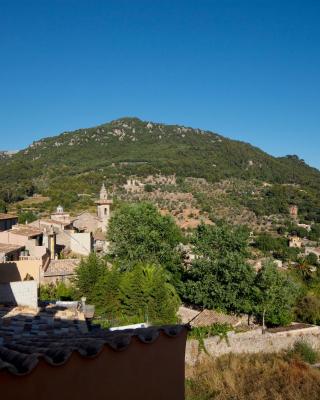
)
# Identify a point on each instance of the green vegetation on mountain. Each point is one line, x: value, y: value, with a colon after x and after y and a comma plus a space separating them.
x: 79, y: 160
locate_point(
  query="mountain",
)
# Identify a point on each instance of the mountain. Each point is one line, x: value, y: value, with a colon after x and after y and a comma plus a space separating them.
x: 7, y: 154
x: 129, y: 146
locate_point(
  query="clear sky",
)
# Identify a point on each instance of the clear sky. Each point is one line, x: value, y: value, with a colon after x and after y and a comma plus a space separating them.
x: 248, y: 69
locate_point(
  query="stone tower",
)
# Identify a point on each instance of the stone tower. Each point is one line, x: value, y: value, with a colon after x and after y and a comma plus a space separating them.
x: 103, y: 208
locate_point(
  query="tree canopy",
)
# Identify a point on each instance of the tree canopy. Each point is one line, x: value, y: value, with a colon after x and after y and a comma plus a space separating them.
x: 275, y: 295
x: 140, y: 294
x: 139, y: 233
x: 219, y: 276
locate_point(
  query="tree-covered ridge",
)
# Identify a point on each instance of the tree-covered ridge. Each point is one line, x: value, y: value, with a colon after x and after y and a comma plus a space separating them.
x: 130, y: 146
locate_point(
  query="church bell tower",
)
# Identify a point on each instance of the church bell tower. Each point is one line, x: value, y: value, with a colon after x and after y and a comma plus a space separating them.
x: 104, y: 208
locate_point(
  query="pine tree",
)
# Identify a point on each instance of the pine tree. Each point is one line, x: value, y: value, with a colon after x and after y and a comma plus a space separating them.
x: 88, y: 274
x: 134, y: 293
x: 107, y: 295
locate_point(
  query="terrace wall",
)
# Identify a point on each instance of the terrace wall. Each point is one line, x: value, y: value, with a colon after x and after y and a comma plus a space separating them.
x: 251, y: 342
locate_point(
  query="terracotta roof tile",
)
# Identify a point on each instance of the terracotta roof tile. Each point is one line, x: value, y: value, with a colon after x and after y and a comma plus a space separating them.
x: 8, y: 248
x: 25, y: 230
x: 28, y: 337
x: 62, y: 267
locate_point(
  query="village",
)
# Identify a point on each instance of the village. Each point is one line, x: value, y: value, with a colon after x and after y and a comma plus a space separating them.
x: 35, y: 248
x: 49, y: 249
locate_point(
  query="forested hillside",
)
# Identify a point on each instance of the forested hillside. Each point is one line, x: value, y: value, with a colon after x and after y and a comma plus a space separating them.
x: 79, y: 160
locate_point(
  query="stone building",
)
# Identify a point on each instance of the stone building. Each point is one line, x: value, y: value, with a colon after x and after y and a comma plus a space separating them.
x: 293, y: 211
x: 61, y: 215
x: 295, y: 241
x: 27, y: 236
x: 103, y: 209
x: 10, y: 252
x: 96, y: 224
x: 133, y: 186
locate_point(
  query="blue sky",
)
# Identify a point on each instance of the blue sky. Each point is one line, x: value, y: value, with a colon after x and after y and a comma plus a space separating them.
x: 249, y: 70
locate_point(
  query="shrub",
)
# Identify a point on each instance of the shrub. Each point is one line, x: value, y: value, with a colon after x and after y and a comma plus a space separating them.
x: 203, y: 332
x: 148, y: 188
x: 59, y: 291
x: 303, y: 350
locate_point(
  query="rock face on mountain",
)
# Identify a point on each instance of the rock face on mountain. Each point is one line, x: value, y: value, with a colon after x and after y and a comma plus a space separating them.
x: 129, y: 146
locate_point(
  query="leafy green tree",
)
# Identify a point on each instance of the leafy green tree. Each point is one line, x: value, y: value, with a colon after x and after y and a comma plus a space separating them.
x: 312, y: 259
x: 275, y: 296
x: 26, y: 217
x: 314, y: 233
x: 139, y: 233
x: 308, y: 309
x: 268, y: 243
x: 219, y: 276
x: 221, y: 240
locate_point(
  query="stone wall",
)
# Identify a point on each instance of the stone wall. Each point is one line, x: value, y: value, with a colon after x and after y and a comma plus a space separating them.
x: 19, y: 294
x: 251, y: 342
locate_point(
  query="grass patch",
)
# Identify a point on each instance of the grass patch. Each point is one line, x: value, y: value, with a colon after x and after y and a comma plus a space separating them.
x: 253, y: 377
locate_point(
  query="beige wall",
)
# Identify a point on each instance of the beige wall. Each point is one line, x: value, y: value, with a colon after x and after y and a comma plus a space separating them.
x: 23, y: 294
x: 20, y: 240
x: 35, y: 251
x: 10, y: 238
x: 17, y: 270
x: 81, y: 243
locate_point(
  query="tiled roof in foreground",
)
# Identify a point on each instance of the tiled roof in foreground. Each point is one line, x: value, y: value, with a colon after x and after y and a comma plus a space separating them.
x: 28, y: 339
